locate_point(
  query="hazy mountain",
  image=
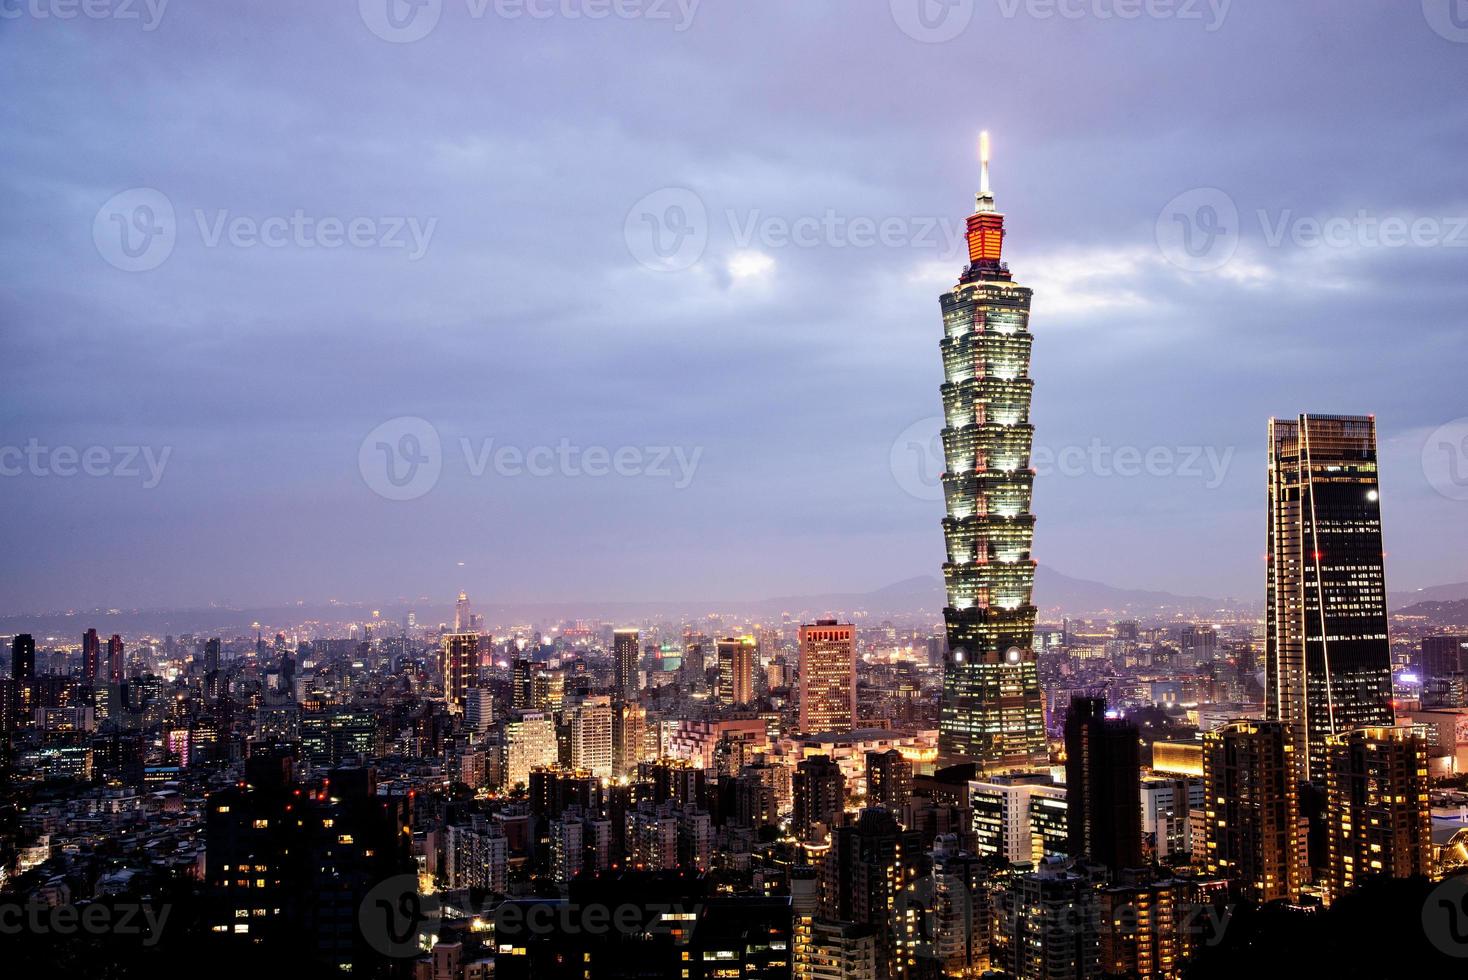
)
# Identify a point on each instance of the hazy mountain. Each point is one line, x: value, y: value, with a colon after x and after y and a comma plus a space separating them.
x: 1433, y: 593
x: 922, y: 597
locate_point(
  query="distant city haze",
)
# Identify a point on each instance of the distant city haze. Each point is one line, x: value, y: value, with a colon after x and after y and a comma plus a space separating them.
x: 634, y: 310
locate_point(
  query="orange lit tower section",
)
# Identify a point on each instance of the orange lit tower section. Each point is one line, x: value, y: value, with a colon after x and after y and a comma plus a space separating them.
x: 993, y: 712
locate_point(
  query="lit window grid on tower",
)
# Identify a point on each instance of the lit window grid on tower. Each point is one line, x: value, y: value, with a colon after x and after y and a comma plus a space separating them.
x: 1328, y: 659
x: 827, y: 678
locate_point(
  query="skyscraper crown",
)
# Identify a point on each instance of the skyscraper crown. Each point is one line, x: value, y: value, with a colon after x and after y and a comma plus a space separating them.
x: 986, y: 224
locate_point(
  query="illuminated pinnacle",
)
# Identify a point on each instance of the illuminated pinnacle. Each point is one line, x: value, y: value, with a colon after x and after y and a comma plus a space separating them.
x: 985, y: 199
x: 984, y: 163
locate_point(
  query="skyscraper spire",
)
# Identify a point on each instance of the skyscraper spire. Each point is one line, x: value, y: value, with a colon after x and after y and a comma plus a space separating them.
x: 993, y: 712
x: 985, y: 200
x: 986, y: 224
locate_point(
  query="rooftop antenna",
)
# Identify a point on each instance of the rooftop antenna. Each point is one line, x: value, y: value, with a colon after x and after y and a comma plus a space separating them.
x: 985, y: 200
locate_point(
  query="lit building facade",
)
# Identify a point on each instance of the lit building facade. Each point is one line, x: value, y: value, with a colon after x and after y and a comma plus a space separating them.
x: 1378, y: 811
x: 827, y: 677
x: 460, y: 668
x: 591, y: 736
x: 1328, y: 659
x: 1251, y: 809
x: 736, y: 672
x: 993, y: 712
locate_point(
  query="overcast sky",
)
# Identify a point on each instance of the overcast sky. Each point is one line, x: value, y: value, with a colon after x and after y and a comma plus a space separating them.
x: 248, y: 245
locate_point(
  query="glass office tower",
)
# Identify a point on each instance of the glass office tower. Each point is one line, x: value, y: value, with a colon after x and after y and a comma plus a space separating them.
x: 1327, y: 656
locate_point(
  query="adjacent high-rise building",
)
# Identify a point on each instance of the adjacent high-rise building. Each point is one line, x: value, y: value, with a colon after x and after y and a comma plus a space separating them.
x: 213, y: 680
x: 1377, y: 810
x: 1048, y: 925
x: 287, y: 864
x: 1103, y: 779
x: 819, y: 790
x: 1444, y: 656
x: 591, y: 736
x: 736, y: 672
x: 827, y: 677
x: 691, y: 670
x: 869, y: 876
x: 460, y: 668
x: 115, y: 664
x: 993, y: 712
x: 889, y: 779
x: 479, y: 709
x: 91, y: 656
x: 625, y: 646
x: 463, y: 614
x: 1251, y: 809
x: 1328, y: 659
x: 530, y: 741
x: 22, y: 678
x: 828, y: 950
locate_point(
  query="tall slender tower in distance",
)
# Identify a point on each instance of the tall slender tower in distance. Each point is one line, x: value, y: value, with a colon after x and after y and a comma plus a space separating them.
x: 993, y: 713
x: 1328, y: 659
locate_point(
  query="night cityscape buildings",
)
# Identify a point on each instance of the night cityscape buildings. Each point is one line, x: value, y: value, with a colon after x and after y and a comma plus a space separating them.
x: 838, y: 788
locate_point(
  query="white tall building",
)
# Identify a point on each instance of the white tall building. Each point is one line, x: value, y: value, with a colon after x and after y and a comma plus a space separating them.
x: 1021, y: 817
x: 530, y: 741
x: 591, y: 736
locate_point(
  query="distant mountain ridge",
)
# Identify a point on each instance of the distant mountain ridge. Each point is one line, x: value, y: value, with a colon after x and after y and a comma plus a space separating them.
x: 1056, y: 595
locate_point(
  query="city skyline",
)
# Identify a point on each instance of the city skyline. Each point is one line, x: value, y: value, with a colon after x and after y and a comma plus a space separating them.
x: 266, y: 396
x: 477, y: 505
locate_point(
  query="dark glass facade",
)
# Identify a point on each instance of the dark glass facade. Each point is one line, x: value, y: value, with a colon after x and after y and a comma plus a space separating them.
x: 1328, y: 659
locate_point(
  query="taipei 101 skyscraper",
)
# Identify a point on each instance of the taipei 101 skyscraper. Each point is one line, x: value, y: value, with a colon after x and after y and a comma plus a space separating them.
x: 993, y: 712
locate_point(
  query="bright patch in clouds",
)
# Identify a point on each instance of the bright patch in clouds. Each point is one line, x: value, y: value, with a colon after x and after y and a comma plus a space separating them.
x: 750, y: 265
